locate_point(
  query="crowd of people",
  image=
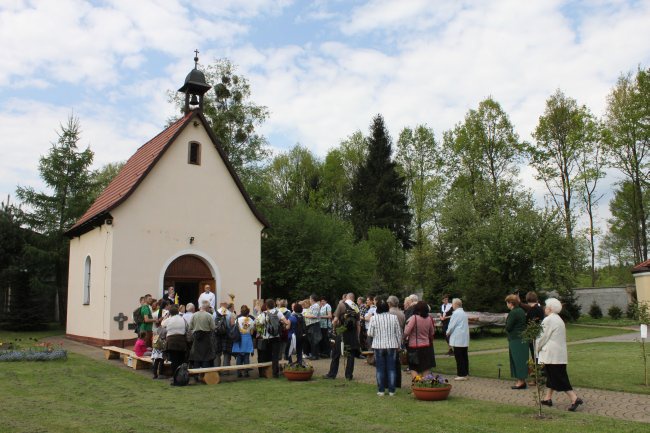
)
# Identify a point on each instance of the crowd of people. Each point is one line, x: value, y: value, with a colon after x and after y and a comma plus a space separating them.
x: 312, y: 329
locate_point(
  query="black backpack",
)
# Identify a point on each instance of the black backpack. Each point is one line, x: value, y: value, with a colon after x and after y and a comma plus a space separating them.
x: 221, y: 325
x: 272, y: 324
x: 350, y: 318
x: 181, y: 375
x: 138, y: 319
x: 301, y: 326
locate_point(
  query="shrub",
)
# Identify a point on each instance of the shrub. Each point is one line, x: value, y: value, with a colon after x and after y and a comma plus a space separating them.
x: 631, y: 311
x: 615, y: 312
x: 570, y: 308
x: 595, y: 312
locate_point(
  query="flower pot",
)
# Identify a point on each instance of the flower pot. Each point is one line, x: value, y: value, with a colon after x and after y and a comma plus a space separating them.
x: 432, y: 394
x: 298, y: 375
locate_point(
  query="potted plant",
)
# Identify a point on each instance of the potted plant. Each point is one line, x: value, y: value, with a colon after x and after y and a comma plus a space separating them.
x: 430, y: 387
x: 298, y: 372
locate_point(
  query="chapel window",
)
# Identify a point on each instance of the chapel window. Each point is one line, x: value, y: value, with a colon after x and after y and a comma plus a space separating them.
x: 194, y: 153
x: 87, y: 281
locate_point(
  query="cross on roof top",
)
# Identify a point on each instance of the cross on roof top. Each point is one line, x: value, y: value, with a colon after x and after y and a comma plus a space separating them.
x: 196, y: 59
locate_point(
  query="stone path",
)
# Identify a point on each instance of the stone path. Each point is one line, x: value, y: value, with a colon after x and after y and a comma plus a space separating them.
x: 621, y: 405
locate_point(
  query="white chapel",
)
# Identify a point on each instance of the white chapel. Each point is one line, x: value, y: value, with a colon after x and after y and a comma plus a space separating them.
x: 175, y: 215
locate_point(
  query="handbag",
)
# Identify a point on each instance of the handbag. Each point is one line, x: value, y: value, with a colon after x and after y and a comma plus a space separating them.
x: 413, y: 352
x: 262, y: 344
x: 235, y: 334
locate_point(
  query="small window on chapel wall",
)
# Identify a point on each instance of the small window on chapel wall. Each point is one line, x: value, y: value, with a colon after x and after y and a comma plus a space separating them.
x: 87, y: 281
x: 194, y: 153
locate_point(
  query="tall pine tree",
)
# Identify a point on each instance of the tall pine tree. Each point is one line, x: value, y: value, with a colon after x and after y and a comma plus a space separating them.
x: 66, y: 172
x: 378, y: 195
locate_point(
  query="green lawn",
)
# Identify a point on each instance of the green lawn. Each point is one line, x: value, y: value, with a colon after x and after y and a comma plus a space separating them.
x: 27, y: 339
x: 81, y: 395
x: 496, y: 338
x: 613, y: 366
x: 606, y: 321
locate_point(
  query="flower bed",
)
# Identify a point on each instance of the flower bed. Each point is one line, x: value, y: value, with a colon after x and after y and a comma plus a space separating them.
x: 46, y: 351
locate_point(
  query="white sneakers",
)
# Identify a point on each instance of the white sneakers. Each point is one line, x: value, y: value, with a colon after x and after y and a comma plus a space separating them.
x: 381, y: 394
x: 461, y: 378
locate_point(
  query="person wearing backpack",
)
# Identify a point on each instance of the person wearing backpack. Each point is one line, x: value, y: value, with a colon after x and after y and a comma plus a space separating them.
x: 297, y: 332
x: 346, y: 315
x: 243, y: 347
x: 271, y: 321
x: 137, y: 316
x: 223, y: 321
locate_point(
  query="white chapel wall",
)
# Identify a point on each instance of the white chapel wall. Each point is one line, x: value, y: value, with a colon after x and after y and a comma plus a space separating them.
x: 174, y: 202
x: 90, y: 320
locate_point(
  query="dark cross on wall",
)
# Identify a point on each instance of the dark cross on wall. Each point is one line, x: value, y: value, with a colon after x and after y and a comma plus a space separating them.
x: 259, y: 283
x: 120, y: 319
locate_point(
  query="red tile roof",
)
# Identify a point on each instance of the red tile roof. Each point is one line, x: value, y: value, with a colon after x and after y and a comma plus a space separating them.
x: 641, y: 267
x: 136, y: 169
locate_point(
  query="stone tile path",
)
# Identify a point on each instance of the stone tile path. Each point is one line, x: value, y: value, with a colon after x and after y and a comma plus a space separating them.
x: 621, y: 405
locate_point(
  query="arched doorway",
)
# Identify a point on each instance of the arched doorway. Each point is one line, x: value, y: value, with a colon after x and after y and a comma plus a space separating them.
x: 188, y: 274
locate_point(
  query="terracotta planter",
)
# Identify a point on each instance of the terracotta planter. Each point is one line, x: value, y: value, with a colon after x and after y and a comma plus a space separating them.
x: 298, y: 375
x: 431, y: 394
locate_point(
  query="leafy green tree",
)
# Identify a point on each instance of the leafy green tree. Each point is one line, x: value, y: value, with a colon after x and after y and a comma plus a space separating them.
x: 625, y: 231
x: 378, y: 196
x: 591, y: 169
x: 628, y: 144
x: 483, y: 147
x: 339, y: 170
x: 295, y: 177
x: 562, y: 134
x: 419, y: 161
x: 66, y: 172
x: 233, y: 116
x: 102, y: 177
x: 306, y: 251
x: 24, y: 275
x: 389, y: 276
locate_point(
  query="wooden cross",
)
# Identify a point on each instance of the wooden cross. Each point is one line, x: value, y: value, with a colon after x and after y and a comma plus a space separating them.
x: 258, y: 283
x: 120, y: 319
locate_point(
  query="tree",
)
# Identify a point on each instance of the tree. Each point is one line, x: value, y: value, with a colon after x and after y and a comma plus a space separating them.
x: 563, y: 132
x: 388, y: 278
x: 339, y: 170
x: 624, y: 227
x: 306, y: 251
x: 628, y: 143
x: 233, y: 116
x: 591, y: 168
x: 483, y: 147
x: 418, y: 160
x: 379, y: 193
x: 66, y: 172
x: 294, y: 177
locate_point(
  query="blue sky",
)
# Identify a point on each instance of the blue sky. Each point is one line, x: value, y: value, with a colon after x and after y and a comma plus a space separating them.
x: 323, y: 68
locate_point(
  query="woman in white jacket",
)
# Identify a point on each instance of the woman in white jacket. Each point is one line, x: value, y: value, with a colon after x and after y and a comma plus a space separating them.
x: 552, y: 352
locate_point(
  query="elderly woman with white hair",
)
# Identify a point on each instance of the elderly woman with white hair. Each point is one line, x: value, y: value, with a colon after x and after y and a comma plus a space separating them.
x: 458, y: 333
x: 552, y: 353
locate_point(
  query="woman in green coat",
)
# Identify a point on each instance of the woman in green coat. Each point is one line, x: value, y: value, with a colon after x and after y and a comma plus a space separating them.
x: 518, y: 347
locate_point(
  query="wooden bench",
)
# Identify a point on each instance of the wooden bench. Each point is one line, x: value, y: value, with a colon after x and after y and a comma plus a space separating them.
x: 210, y: 375
x: 128, y: 356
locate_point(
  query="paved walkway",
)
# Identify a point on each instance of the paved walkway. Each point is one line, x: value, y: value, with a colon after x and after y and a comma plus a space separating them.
x: 621, y: 405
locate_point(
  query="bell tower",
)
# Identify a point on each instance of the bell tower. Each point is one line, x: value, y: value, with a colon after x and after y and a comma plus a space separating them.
x: 194, y: 87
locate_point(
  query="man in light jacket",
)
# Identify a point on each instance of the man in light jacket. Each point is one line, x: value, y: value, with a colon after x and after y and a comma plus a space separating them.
x: 458, y: 333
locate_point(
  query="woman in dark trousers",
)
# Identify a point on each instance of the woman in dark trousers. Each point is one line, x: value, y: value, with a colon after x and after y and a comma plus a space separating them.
x: 176, y: 342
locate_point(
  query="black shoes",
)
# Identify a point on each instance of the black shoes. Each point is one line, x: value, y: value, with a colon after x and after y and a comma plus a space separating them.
x: 548, y: 403
x: 327, y: 376
x: 524, y: 386
x: 575, y: 405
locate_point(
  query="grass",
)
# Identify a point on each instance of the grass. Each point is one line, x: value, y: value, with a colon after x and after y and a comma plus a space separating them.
x: 612, y: 366
x: 496, y: 338
x: 80, y: 395
x: 606, y: 321
x: 27, y: 339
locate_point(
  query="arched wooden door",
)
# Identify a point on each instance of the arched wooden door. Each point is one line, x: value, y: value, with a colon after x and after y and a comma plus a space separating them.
x: 188, y: 275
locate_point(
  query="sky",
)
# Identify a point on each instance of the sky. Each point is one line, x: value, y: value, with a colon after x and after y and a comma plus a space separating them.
x: 323, y: 68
